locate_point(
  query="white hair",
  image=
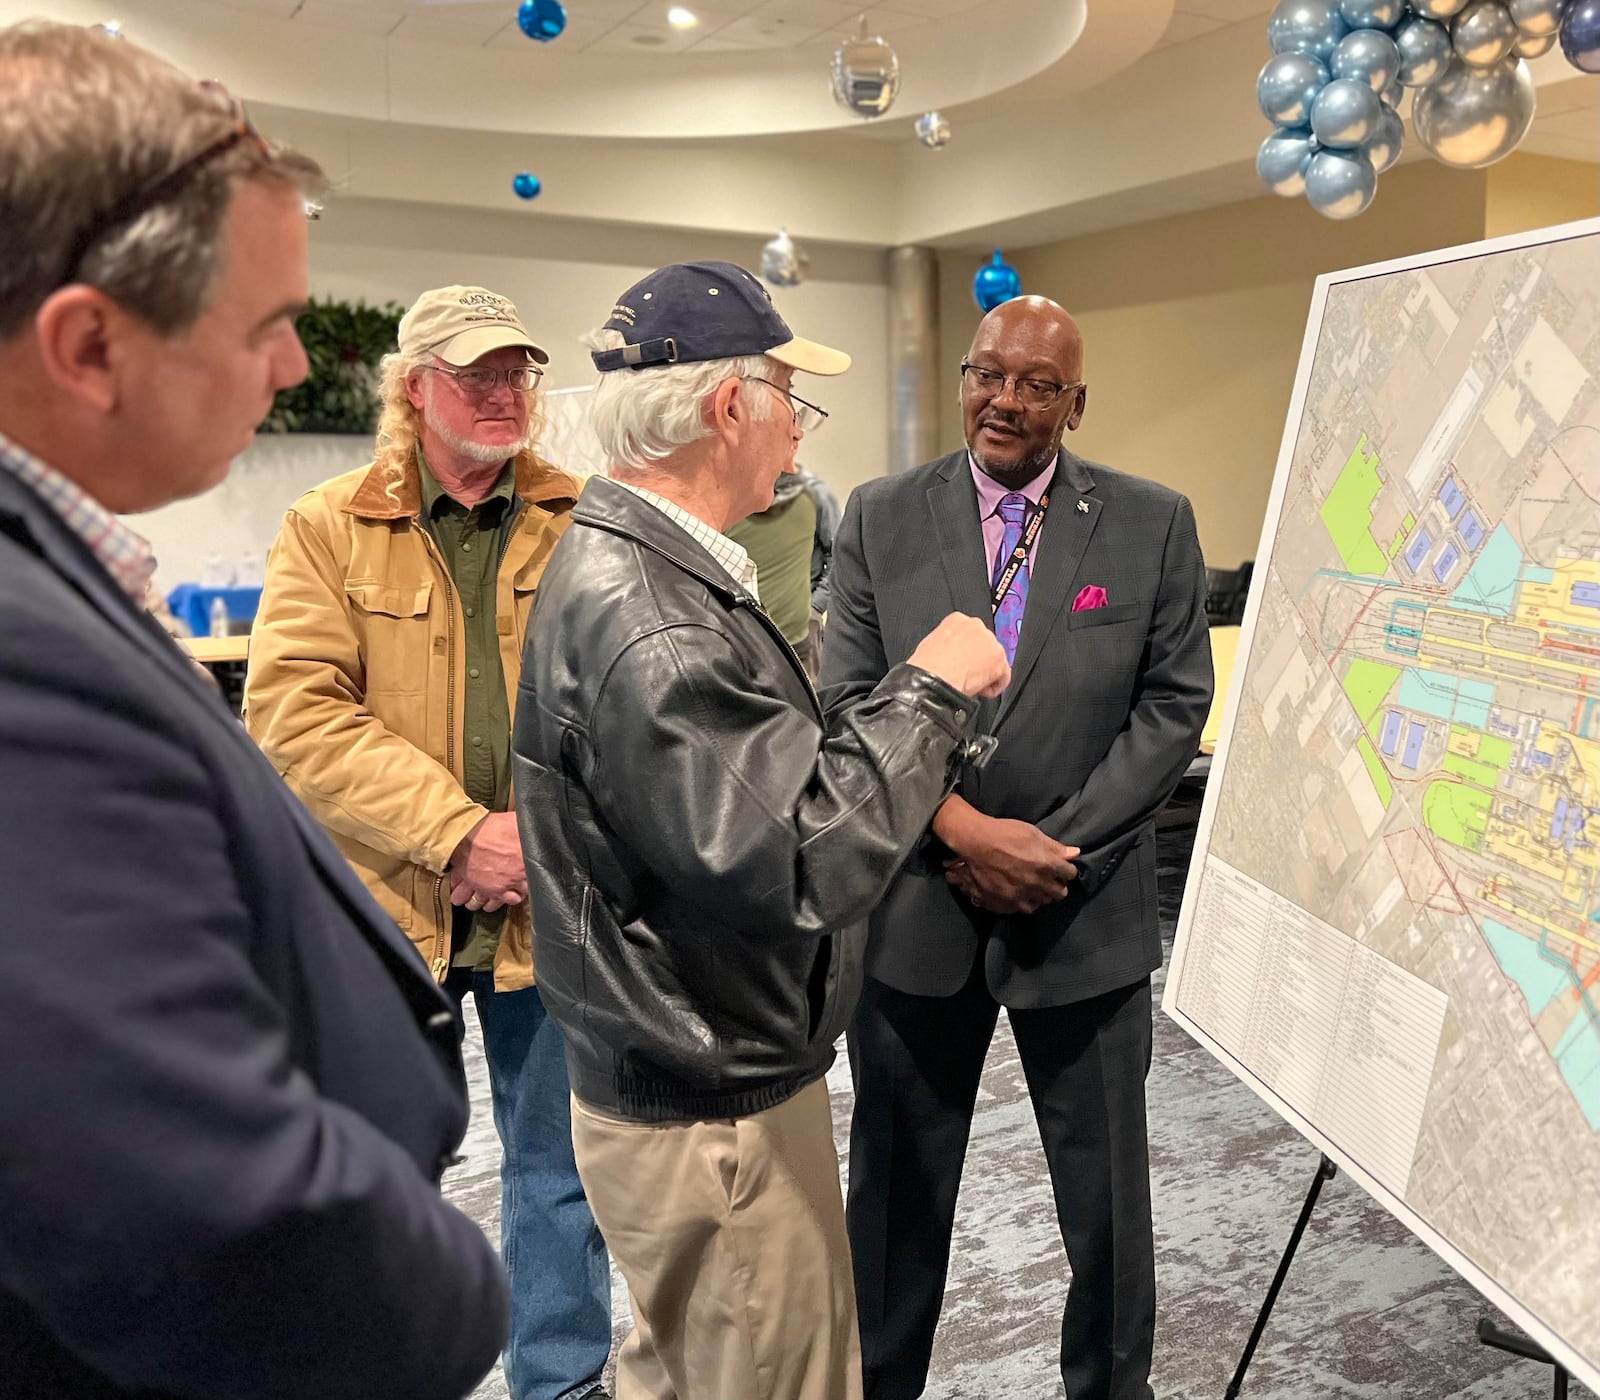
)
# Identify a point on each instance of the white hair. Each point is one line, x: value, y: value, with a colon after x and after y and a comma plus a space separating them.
x: 643, y: 416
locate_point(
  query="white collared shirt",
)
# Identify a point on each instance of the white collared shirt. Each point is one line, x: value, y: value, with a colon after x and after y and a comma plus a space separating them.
x: 733, y: 556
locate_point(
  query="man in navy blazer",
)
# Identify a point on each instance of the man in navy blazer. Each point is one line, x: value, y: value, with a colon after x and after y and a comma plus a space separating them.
x: 1035, y: 887
x: 230, y: 1084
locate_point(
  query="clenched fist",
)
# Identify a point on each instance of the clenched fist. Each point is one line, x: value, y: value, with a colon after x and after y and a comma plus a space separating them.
x: 963, y: 652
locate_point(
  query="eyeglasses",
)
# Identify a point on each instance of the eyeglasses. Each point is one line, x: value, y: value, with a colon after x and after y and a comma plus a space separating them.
x: 1033, y: 394
x: 479, y: 382
x: 163, y: 187
x: 807, y: 416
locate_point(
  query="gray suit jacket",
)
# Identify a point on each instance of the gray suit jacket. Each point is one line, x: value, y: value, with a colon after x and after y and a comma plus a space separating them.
x: 1102, y: 716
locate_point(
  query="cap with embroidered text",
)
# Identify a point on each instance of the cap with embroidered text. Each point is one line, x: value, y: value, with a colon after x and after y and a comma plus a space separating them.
x: 707, y: 311
x: 460, y: 324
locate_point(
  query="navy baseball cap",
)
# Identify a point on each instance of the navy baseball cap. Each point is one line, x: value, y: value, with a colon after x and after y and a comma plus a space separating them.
x: 707, y: 311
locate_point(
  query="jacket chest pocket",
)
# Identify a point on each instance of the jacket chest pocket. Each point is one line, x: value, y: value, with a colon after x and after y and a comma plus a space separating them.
x: 395, y: 626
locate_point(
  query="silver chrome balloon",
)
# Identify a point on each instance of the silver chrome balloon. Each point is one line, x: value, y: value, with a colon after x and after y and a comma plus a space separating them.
x: 1483, y: 33
x: 866, y: 74
x: 1437, y: 9
x: 1287, y: 86
x: 1534, y: 45
x: 933, y: 130
x: 1535, y: 17
x: 1473, y: 117
x: 1340, y: 184
x: 1372, y: 14
x: 1306, y: 26
x: 1345, y: 113
x: 1282, y: 159
x: 1367, y: 55
x: 782, y: 262
x: 1382, y: 148
x: 1425, y: 50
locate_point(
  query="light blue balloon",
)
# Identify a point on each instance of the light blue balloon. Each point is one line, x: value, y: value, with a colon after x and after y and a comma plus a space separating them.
x: 1391, y: 95
x: 1372, y: 14
x: 1340, y: 184
x: 1425, y: 51
x: 1368, y: 55
x: 1281, y: 162
x: 1345, y: 114
x: 1306, y: 26
x: 1287, y: 86
x: 1382, y: 148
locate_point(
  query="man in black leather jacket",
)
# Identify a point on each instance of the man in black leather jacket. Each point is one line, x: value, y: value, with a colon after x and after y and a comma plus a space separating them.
x: 702, y: 854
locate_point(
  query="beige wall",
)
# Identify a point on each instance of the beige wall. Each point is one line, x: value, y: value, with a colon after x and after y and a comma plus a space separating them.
x: 1193, y: 326
x: 1527, y: 191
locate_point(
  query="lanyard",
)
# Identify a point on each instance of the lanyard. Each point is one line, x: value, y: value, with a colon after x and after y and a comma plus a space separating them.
x: 1019, y: 555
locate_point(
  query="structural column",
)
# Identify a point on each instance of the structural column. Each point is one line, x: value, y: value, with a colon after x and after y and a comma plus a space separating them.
x: 913, y: 357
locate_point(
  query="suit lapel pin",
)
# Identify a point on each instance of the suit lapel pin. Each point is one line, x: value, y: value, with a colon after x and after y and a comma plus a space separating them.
x: 1083, y: 507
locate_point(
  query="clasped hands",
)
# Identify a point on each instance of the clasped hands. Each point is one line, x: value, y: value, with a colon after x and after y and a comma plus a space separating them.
x: 486, y: 870
x: 1002, y: 866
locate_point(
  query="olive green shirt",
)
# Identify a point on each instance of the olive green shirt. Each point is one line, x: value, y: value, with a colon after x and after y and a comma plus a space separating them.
x: 472, y: 543
x: 779, y: 540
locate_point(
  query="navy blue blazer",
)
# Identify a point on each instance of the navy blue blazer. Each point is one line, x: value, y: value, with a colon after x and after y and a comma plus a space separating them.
x: 228, y: 1085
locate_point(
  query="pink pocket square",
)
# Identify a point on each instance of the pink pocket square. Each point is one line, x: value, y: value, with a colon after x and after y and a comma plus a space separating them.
x: 1092, y: 596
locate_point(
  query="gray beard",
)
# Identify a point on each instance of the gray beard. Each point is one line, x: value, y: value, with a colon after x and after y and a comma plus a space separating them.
x: 1022, y: 471
x: 485, y: 452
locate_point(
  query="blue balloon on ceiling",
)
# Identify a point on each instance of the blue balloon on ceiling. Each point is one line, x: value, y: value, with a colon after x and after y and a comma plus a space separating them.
x: 997, y: 281
x: 541, y: 19
x: 526, y: 184
x: 1580, y: 35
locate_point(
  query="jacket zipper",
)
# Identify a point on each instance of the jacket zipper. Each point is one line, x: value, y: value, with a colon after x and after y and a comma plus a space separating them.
x: 740, y: 601
x: 440, y: 965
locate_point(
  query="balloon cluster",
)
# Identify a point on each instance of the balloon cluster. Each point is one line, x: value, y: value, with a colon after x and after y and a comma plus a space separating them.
x: 1333, y: 87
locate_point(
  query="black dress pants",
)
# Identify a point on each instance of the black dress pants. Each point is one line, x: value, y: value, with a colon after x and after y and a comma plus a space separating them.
x: 916, y: 1063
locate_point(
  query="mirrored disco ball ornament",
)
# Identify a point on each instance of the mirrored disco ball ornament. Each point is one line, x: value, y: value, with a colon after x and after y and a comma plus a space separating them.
x: 1483, y: 33
x: 933, y: 130
x: 866, y: 74
x: 997, y: 281
x: 1282, y: 159
x: 1580, y: 35
x: 526, y: 184
x: 541, y: 19
x: 782, y: 262
x: 1473, y: 117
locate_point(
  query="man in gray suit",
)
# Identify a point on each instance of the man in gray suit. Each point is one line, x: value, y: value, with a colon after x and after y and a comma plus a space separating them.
x: 1035, y: 887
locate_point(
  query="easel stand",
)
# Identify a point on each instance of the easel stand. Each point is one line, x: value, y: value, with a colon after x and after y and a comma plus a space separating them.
x: 1518, y: 1345
x: 1325, y: 1172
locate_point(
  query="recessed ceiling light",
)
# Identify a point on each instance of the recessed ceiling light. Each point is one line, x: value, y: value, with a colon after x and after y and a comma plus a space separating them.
x: 680, y: 17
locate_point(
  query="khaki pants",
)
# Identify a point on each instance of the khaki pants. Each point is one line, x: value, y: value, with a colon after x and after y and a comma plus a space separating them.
x: 730, y: 1235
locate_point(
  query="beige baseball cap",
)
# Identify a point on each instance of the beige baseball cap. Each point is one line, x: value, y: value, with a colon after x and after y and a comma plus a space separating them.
x: 458, y: 324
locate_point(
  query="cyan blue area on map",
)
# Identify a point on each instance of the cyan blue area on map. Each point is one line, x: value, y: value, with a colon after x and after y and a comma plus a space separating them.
x: 1451, y: 495
x: 1417, y: 550
x: 1539, y: 977
x: 1586, y: 595
x: 1472, y: 531
x: 1491, y: 583
x: 1391, y: 733
x: 1445, y: 562
x: 1445, y: 697
x: 1398, y: 634
x: 1580, y: 1067
x: 1415, y: 735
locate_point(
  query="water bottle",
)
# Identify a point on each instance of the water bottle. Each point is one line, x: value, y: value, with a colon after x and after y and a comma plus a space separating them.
x: 219, y: 617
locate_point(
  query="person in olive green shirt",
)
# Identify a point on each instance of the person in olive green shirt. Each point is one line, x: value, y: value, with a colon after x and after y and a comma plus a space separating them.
x: 383, y: 671
x: 791, y: 543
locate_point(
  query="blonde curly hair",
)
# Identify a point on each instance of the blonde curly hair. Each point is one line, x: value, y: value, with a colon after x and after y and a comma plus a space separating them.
x: 400, y: 424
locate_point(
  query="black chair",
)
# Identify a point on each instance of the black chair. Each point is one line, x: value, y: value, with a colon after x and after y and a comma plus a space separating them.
x: 1226, y: 592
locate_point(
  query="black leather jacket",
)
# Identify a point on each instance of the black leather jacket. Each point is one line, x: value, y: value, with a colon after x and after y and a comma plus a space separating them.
x: 701, y: 856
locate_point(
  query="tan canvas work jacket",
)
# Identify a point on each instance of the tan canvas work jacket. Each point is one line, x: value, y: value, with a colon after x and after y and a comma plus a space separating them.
x: 357, y: 683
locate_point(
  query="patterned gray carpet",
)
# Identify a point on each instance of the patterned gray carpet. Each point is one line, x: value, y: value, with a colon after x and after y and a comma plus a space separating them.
x: 1367, y: 1312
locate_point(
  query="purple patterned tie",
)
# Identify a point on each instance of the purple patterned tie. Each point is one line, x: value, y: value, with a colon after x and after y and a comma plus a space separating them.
x: 1008, y: 616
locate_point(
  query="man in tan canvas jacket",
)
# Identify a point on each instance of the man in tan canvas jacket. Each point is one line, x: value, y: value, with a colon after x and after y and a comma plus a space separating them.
x: 383, y: 673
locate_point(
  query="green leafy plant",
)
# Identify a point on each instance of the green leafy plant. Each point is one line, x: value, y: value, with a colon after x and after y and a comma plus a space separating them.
x: 344, y: 342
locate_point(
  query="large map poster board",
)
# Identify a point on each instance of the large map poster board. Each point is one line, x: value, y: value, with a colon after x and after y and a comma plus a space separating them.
x: 1391, y: 929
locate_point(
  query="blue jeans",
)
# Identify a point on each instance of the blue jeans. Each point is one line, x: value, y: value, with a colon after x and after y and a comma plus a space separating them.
x: 560, y: 1275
